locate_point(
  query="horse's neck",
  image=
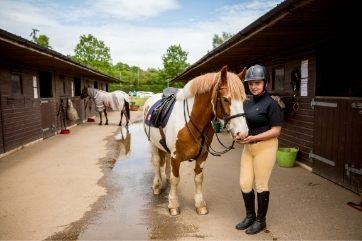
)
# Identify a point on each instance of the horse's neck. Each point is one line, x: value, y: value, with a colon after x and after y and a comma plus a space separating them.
x: 202, y: 110
x: 92, y: 92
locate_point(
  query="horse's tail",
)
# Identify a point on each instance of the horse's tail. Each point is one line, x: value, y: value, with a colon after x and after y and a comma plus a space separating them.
x: 126, y: 104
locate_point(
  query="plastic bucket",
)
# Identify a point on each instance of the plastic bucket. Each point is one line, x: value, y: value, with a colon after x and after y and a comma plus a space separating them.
x: 286, y: 156
x: 216, y: 126
x: 133, y: 102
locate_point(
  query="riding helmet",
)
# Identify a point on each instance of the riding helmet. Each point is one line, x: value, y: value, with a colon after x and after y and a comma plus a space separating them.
x: 257, y: 72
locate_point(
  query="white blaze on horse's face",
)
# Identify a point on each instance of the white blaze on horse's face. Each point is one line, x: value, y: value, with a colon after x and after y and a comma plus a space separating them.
x: 237, y: 126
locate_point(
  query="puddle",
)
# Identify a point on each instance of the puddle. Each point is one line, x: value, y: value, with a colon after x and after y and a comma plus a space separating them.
x: 132, y: 211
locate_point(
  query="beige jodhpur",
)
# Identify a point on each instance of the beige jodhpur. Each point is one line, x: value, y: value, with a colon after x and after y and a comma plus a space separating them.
x: 257, y: 162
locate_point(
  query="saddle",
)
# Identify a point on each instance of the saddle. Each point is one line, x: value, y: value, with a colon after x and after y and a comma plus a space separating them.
x: 160, y: 112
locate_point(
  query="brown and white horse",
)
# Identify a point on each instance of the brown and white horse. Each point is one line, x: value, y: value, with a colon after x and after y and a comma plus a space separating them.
x: 116, y: 100
x: 189, y: 130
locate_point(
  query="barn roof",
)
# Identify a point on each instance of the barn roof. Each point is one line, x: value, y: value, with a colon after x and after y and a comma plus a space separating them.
x: 292, y: 24
x: 18, y: 50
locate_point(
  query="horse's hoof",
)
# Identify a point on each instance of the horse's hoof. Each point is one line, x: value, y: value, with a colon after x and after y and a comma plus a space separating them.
x: 156, y: 191
x: 174, y: 211
x: 100, y: 124
x: 202, y: 211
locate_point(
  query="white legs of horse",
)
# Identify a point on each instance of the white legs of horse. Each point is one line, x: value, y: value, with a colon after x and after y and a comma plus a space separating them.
x: 100, y: 117
x: 123, y: 112
x: 160, y: 159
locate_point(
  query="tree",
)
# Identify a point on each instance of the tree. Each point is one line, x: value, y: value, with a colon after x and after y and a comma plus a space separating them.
x: 174, y: 63
x: 42, y: 40
x: 219, y: 40
x: 94, y: 53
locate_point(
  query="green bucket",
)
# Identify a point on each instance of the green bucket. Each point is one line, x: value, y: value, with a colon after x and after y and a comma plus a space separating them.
x: 216, y: 126
x: 286, y: 156
x: 133, y: 102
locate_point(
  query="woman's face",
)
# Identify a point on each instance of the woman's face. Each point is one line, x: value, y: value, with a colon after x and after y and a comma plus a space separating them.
x: 256, y: 86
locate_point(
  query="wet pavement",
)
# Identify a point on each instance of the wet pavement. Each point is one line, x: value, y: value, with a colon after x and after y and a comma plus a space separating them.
x: 303, y: 205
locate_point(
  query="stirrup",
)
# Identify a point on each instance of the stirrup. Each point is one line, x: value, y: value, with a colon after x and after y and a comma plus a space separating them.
x: 163, y: 143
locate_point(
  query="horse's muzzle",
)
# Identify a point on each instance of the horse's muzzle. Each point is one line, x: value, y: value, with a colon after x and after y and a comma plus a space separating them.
x: 234, y: 135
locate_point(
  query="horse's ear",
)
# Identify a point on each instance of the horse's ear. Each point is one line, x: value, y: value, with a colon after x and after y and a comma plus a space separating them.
x: 241, y: 75
x: 223, y: 77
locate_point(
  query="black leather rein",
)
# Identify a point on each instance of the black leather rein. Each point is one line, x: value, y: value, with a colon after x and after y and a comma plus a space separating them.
x: 204, y: 137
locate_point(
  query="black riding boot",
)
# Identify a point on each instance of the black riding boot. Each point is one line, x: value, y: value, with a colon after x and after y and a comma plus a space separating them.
x: 249, y: 201
x: 260, y: 224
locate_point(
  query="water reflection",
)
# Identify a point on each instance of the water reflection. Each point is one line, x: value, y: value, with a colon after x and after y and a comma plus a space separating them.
x: 123, y: 137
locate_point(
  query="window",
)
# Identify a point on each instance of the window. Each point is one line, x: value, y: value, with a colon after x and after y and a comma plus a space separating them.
x: 72, y: 89
x: 16, y: 84
x: 278, y: 79
x: 35, y: 87
x: 77, y: 86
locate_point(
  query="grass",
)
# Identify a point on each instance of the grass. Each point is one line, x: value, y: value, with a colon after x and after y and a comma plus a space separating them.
x: 139, y: 101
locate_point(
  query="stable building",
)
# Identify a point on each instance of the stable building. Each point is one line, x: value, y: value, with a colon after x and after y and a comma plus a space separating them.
x: 311, y: 49
x: 35, y: 85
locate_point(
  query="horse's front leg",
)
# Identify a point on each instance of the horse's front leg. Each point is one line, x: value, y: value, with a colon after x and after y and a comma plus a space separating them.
x: 105, y: 114
x: 173, y: 203
x: 100, y: 118
x: 200, y: 203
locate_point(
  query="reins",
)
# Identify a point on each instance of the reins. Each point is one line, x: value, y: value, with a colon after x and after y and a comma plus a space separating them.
x: 203, y: 135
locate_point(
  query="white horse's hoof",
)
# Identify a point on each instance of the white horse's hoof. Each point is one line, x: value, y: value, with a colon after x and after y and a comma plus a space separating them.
x: 174, y: 211
x: 202, y: 211
x: 156, y: 191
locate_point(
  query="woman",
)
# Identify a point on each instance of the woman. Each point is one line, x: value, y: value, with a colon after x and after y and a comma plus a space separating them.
x: 263, y: 116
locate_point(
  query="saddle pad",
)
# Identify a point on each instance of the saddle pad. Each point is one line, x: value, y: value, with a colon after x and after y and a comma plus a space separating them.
x: 153, y: 107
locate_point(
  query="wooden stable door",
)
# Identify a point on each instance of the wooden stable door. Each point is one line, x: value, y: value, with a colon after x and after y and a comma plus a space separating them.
x: 47, y: 118
x: 337, y: 149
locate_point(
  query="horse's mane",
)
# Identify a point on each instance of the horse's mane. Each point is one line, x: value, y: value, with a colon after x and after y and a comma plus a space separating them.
x: 206, y: 83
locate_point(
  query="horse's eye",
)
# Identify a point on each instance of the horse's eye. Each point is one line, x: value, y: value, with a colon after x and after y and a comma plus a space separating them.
x: 226, y: 100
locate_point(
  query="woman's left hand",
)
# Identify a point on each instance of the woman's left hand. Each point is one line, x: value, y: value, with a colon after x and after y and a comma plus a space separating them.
x: 247, y: 140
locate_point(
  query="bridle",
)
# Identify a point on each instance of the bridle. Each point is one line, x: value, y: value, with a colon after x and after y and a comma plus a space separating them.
x: 224, y: 116
x: 226, y: 119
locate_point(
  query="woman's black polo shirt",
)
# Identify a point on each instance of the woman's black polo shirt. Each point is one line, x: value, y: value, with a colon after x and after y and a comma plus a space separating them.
x: 262, y: 113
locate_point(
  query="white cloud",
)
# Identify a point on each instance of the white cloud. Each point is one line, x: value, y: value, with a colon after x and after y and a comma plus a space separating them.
x: 132, y: 42
x: 132, y: 10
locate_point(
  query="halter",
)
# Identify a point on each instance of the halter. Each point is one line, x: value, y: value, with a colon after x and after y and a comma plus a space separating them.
x: 225, y: 118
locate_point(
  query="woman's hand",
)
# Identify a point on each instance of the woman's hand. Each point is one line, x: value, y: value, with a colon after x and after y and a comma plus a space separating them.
x: 247, y: 140
x: 272, y: 133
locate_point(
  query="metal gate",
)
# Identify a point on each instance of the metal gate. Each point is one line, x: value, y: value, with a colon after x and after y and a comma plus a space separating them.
x: 337, y: 149
x: 47, y: 118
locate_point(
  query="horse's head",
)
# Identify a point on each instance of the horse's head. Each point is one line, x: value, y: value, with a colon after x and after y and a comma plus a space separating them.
x: 228, y: 99
x: 84, y: 93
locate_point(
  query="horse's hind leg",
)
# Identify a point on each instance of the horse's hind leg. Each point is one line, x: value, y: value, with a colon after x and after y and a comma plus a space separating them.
x: 168, y: 167
x: 156, y: 161
x: 200, y: 203
x: 120, y: 122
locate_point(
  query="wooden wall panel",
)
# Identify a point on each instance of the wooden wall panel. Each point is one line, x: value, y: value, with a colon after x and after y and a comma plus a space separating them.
x: 20, y: 113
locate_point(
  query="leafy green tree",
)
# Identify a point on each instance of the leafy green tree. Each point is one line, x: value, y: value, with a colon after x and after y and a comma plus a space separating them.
x: 219, y: 40
x: 42, y: 40
x: 93, y: 52
x: 174, y: 63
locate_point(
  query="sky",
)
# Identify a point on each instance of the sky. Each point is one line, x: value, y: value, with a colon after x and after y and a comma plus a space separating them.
x: 138, y: 32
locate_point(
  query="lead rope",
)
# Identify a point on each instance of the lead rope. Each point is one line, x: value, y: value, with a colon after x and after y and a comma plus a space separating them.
x: 204, y: 137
